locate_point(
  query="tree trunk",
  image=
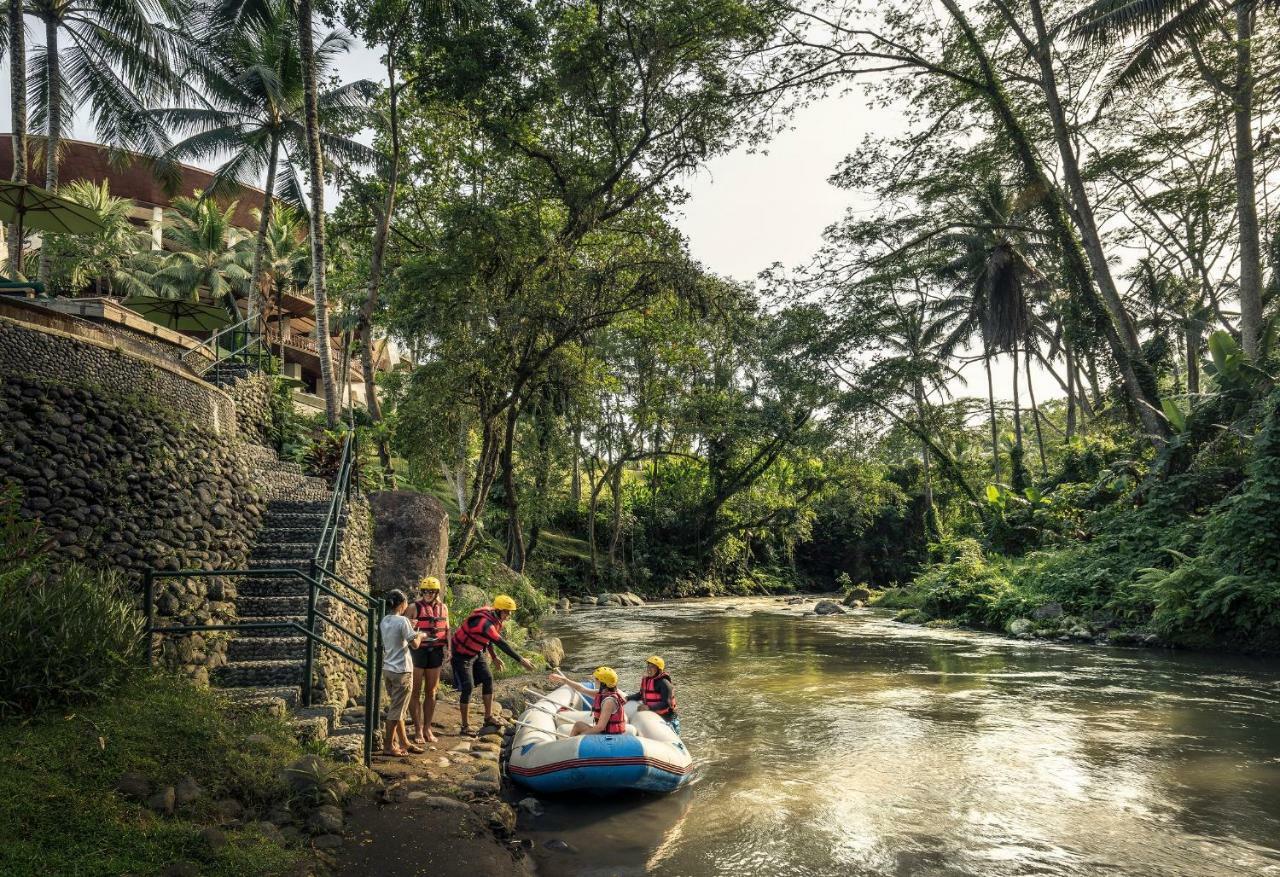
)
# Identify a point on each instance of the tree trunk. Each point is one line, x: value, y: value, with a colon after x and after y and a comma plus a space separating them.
x: 256, y: 299
x: 1035, y: 415
x: 1071, y: 392
x: 1136, y: 375
x: 575, y: 482
x: 53, y: 141
x: 486, y: 471
x: 380, y: 235
x: 1137, y: 379
x: 1246, y: 188
x: 615, y: 489
x: 930, y: 517
x: 1191, y: 332
x: 515, y: 533
x: 991, y: 409
x: 1017, y: 472
x: 18, y: 110
x: 315, y: 166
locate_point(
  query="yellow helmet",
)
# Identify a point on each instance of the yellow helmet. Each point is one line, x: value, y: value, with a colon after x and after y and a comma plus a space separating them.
x: 429, y: 583
x: 606, y: 676
x: 657, y: 662
x: 504, y: 603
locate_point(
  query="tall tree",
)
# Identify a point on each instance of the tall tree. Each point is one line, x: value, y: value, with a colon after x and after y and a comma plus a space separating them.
x: 250, y: 114
x: 17, y: 49
x: 117, y: 59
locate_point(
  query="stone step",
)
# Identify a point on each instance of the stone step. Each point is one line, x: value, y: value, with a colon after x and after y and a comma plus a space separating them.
x: 286, y: 697
x: 266, y: 648
x: 265, y: 550
x: 261, y: 674
x: 272, y: 607
x: 274, y: 587
x: 299, y: 507
x: 300, y: 618
x: 273, y: 534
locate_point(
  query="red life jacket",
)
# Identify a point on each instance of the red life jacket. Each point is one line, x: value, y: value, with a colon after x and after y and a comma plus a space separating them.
x: 618, y: 718
x: 474, y: 635
x: 433, y: 621
x: 651, y: 698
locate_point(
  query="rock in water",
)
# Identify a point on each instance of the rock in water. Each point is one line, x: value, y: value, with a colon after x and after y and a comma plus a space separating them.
x: 1019, y: 627
x: 827, y: 607
x: 858, y: 594
x: 531, y: 806
x: 552, y: 649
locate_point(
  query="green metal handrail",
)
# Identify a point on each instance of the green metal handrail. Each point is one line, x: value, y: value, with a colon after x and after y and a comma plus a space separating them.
x: 322, y: 567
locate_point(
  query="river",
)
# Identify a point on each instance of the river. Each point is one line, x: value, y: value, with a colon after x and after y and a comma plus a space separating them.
x: 852, y: 745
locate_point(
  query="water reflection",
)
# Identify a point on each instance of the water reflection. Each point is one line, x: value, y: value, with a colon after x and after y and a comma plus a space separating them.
x: 854, y: 746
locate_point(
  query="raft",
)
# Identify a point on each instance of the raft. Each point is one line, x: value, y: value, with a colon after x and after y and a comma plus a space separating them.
x: 650, y: 757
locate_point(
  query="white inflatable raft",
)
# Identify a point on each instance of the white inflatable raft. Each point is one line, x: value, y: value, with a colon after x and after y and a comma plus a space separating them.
x: 650, y: 756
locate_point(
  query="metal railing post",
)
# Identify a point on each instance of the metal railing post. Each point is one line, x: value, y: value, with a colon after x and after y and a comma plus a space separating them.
x: 149, y: 588
x: 375, y: 706
x: 309, y: 661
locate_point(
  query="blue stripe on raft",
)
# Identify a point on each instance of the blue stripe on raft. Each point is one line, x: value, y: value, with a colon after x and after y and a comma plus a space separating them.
x: 598, y: 749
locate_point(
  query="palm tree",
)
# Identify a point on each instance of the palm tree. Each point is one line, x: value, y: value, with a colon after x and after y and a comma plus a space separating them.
x: 17, y: 48
x: 116, y: 59
x: 285, y: 262
x: 252, y: 112
x: 104, y: 259
x: 209, y: 253
x: 1167, y: 31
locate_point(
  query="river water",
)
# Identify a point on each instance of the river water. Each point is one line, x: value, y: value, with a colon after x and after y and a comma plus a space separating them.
x: 855, y: 746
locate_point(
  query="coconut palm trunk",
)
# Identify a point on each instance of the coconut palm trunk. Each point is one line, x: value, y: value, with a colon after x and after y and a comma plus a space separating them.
x: 1246, y: 187
x: 315, y: 166
x: 991, y: 409
x: 257, y: 302
x: 53, y: 131
x: 18, y: 105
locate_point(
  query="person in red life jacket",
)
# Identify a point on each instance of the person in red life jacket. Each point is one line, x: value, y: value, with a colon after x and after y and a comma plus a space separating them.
x: 608, y: 706
x: 657, y: 692
x: 478, y: 634
x: 430, y: 618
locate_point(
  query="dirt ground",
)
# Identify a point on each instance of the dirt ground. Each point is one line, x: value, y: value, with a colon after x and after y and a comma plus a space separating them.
x: 445, y: 813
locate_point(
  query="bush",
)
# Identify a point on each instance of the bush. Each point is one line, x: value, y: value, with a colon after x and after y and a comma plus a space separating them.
x: 966, y: 589
x: 67, y: 635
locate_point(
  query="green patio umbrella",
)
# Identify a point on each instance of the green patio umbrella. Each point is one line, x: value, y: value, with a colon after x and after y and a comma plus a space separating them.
x: 30, y: 207
x: 181, y: 315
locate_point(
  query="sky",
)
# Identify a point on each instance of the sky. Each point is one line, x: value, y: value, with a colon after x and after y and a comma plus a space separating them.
x: 747, y: 211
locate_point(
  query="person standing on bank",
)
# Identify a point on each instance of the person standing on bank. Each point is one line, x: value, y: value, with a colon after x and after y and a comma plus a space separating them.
x: 481, y: 632
x: 398, y: 637
x: 657, y: 692
x: 430, y: 618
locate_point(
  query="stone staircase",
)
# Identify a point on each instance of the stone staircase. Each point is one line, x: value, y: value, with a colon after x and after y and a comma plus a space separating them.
x: 265, y: 667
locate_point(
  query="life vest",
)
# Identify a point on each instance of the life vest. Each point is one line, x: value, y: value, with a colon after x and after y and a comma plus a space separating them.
x: 474, y: 635
x: 618, y: 718
x: 652, y: 698
x: 433, y: 621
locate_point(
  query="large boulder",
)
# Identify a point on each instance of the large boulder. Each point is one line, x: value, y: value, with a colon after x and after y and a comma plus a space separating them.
x: 1019, y: 627
x: 1047, y: 612
x: 859, y: 594
x: 551, y: 648
x: 410, y: 539
x: 828, y: 607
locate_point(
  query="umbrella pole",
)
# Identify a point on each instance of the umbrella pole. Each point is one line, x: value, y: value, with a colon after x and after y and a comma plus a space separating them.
x: 17, y: 256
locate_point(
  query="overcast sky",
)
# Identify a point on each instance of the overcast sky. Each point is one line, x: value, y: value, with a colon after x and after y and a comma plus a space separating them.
x: 747, y: 211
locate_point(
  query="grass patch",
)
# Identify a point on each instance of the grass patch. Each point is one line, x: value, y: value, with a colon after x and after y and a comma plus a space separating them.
x: 59, y: 813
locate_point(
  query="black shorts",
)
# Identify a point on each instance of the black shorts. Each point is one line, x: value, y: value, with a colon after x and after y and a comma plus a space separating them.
x: 427, y: 657
x: 468, y: 672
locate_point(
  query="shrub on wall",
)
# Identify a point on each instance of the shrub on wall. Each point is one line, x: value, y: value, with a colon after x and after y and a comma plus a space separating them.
x: 66, y: 635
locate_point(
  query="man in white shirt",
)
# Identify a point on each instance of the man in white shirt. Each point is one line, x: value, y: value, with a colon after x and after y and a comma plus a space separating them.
x: 398, y: 637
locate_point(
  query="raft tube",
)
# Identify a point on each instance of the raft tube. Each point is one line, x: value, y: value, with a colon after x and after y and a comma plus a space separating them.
x: 650, y: 757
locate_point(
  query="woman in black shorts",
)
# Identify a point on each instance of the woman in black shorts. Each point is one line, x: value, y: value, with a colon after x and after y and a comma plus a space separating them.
x: 430, y: 617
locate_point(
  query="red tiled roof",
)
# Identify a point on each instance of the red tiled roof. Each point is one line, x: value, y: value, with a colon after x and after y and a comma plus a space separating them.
x: 131, y: 179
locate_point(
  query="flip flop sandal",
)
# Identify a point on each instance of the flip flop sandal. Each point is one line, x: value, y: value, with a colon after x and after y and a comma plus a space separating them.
x: 416, y: 750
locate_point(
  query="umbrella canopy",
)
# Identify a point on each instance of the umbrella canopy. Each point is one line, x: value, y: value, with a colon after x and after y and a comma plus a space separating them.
x: 30, y: 207
x: 179, y: 314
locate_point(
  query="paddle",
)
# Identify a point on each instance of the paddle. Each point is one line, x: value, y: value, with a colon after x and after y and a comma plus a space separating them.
x: 553, y: 715
x: 585, y: 699
x: 536, y: 728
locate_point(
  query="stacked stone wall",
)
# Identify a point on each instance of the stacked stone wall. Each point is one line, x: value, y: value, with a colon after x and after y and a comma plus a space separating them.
x: 251, y: 395
x: 119, y: 483
x: 337, y: 680
x: 62, y: 358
